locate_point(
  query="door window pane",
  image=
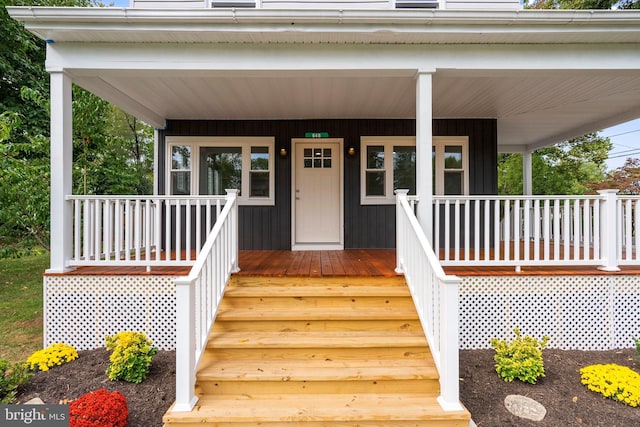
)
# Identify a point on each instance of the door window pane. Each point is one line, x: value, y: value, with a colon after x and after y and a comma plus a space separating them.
x: 404, y: 168
x: 220, y: 169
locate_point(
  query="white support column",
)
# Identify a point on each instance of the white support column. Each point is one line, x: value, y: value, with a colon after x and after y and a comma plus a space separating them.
x: 61, y: 164
x: 527, y: 174
x: 609, y: 230
x: 424, y: 143
x: 156, y: 137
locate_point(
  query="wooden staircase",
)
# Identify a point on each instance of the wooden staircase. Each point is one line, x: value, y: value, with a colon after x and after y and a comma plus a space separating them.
x: 317, y: 352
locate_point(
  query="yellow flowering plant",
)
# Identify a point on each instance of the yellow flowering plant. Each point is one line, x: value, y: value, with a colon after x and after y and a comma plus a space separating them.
x: 131, y: 357
x: 54, y: 355
x: 614, y: 381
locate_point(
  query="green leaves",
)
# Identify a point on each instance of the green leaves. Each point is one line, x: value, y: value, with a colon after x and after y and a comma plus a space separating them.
x: 519, y: 359
x: 12, y: 375
x: 131, y: 357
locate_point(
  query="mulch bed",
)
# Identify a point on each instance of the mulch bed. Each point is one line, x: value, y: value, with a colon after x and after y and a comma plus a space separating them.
x: 568, y: 402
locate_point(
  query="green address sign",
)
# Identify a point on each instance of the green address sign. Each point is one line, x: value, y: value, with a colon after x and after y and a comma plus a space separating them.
x: 316, y: 135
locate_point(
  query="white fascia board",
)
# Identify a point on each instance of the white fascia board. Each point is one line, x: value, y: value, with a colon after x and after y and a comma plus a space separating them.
x: 389, y: 26
x: 337, y: 60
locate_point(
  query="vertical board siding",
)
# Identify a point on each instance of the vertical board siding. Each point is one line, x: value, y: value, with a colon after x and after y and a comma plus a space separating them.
x: 366, y: 226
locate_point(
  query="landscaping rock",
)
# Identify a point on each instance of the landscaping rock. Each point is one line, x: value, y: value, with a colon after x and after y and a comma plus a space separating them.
x: 34, y: 401
x: 525, y: 407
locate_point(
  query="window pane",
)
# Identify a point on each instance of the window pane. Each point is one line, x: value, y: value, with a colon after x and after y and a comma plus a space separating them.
x: 260, y: 158
x: 220, y: 168
x: 181, y: 157
x: 375, y: 183
x: 452, y: 157
x: 259, y: 184
x: 404, y: 168
x: 308, y: 152
x: 308, y: 163
x: 453, y: 183
x: 327, y: 163
x: 181, y: 183
x: 375, y: 157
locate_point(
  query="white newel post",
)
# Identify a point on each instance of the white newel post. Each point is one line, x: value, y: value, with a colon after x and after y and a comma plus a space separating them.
x: 401, y: 195
x: 424, y: 144
x: 449, y: 398
x: 609, y: 230
x: 185, y: 346
x: 232, y: 195
x: 61, y: 161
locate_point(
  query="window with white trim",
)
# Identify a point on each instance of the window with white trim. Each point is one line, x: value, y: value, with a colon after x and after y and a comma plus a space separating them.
x: 389, y: 163
x: 450, y: 165
x: 220, y: 163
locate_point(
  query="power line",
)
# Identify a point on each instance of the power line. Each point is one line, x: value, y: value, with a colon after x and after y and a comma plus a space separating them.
x: 622, y: 133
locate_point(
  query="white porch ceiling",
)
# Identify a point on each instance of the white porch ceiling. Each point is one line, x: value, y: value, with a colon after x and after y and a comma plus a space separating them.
x: 533, y: 108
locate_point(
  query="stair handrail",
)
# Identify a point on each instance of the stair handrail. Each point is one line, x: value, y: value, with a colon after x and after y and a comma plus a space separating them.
x: 198, y: 297
x: 435, y: 295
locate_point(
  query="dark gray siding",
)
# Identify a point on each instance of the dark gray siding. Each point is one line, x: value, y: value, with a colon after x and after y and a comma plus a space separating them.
x: 269, y: 227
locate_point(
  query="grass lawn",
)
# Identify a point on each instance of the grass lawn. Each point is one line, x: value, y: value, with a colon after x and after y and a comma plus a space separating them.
x: 21, y: 306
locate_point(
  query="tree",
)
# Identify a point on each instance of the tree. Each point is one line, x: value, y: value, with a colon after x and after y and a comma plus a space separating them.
x: 565, y: 168
x: 626, y: 178
x: 114, y: 149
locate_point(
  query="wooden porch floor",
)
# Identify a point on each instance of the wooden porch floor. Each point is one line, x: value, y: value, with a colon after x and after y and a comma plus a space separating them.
x: 352, y: 262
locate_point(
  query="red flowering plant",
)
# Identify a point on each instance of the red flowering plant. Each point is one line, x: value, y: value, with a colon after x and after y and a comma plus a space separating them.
x: 99, y: 408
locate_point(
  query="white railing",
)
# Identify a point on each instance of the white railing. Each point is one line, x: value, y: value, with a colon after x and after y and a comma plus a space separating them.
x: 521, y: 230
x: 435, y: 295
x: 198, y: 297
x: 141, y: 230
x: 627, y: 230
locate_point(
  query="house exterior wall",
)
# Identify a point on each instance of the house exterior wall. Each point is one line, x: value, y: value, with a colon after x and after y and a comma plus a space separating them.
x: 366, y: 226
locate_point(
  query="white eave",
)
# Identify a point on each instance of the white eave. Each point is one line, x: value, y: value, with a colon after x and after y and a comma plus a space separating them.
x: 123, y: 25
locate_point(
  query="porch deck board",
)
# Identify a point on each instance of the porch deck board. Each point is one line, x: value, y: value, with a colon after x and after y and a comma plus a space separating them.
x: 352, y: 262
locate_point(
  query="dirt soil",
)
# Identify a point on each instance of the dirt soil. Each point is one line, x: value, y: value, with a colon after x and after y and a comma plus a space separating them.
x: 568, y: 402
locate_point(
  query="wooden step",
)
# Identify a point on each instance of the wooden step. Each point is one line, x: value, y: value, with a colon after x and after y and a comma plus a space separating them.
x: 317, y: 352
x: 360, y: 339
x: 322, y: 376
x: 319, y: 410
x: 317, y: 325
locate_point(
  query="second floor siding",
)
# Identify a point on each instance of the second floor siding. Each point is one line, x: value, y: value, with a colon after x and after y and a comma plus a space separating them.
x: 332, y: 4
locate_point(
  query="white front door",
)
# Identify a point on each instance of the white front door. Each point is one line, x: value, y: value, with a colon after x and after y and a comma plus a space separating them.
x: 317, y: 194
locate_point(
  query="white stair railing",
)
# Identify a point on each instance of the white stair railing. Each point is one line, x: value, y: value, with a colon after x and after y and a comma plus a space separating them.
x: 435, y: 295
x: 198, y: 297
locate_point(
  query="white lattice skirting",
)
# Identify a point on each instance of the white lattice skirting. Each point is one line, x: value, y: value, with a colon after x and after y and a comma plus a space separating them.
x: 81, y: 310
x: 577, y: 312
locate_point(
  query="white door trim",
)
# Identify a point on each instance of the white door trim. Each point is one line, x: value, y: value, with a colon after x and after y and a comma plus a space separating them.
x: 295, y: 246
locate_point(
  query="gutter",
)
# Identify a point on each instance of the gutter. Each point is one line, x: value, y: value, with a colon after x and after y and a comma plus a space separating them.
x: 602, y: 26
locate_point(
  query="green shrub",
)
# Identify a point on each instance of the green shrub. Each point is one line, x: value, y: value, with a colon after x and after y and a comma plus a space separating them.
x: 617, y: 382
x: 131, y: 357
x: 520, y: 359
x: 11, y: 377
x: 638, y: 348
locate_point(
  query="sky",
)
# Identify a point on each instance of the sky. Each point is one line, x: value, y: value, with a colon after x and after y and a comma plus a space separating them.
x: 625, y: 137
x: 626, y: 142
